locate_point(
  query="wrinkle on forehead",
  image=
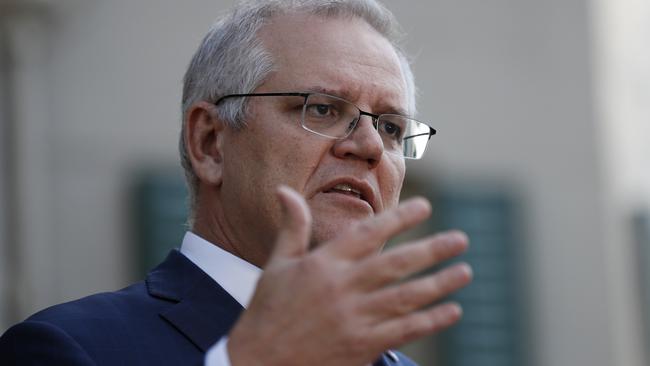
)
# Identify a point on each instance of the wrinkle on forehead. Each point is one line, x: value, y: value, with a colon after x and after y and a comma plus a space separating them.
x: 342, y: 54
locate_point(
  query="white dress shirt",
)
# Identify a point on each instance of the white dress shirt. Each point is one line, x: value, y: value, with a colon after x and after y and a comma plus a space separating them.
x: 234, y: 274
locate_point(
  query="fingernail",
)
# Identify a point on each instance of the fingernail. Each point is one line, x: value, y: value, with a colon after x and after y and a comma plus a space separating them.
x: 419, y: 203
x: 465, y: 271
x: 282, y: 193
x: 283, y: 189
x: 457, y: 235
x: 455, y: 310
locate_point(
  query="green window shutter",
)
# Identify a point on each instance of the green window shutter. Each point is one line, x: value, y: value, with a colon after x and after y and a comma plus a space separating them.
x: 161, y: 213
x: 488, y: 333
x: 641, y: 227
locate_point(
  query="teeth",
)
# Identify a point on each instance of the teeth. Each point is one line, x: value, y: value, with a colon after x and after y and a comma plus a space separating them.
x: 346, y: 188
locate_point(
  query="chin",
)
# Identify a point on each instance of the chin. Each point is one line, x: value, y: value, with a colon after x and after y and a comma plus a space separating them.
x: 327, y: 228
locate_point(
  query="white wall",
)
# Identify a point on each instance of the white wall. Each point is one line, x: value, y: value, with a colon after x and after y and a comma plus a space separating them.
x: 32, y: 274
x: 622, y: 31
x: 510, y: 83
x: 98, y: 89
x: 117, y: 70
x: 4, y: 162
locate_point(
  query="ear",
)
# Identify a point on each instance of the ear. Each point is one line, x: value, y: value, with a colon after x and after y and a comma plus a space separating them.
x: 203, y: 140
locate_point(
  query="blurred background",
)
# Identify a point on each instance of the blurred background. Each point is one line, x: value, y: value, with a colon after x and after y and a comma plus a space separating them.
x: 543, y: 112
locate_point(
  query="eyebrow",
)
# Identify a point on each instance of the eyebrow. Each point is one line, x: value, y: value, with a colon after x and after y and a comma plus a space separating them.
x: 341, y: 93
x: 346, y: 94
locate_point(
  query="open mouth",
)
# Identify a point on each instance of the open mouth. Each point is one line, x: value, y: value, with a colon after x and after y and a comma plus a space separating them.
x: 346, y: 189
x: 359, y: 192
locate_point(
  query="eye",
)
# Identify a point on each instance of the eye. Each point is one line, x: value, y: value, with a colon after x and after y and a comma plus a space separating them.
x: 322, y: 110
x: 391, y: 129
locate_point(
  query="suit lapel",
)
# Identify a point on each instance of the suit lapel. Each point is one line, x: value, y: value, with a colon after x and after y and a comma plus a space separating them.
x: 204, y: 311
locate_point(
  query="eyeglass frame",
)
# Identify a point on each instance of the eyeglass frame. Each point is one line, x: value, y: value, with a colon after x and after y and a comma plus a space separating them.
x: 373, y: 116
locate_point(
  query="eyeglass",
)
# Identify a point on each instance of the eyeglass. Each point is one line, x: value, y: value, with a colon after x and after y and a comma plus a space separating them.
x: 333, y: 117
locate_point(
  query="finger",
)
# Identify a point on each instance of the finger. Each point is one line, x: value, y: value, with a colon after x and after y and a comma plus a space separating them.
x: 406, y: 259
x: 397, y: 332
x: 294, y: 232
x: 404, y: 298
x: 368, y: 236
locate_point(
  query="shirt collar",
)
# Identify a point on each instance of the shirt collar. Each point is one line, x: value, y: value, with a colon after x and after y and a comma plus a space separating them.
x: 232, y: 273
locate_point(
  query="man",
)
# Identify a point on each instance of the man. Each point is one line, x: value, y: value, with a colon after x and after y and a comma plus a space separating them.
x: 295, y: 134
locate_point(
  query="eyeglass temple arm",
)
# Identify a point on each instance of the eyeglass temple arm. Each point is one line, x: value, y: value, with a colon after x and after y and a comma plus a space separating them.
x: 304, y: 95
x: 431, y: 133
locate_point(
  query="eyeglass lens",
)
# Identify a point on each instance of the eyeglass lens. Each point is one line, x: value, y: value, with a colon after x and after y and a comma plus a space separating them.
x: 335, y: 117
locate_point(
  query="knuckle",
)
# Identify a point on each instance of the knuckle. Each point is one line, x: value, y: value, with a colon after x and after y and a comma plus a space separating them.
x: 409, y: 331
x: 401, y: 307
x: 435, y: 322
x: 399, y: 262
x: 433, y: 286
x: 434, y: 250
x: 401, y: 301
x: 452, y: 279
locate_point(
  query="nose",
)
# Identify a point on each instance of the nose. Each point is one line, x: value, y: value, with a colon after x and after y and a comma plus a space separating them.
x: 364, y: 143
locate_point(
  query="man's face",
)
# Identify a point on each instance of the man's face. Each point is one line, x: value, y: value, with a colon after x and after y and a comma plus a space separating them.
x: 343, y: 57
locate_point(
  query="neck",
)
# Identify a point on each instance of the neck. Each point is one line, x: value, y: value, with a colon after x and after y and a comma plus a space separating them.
x: 213, y: 228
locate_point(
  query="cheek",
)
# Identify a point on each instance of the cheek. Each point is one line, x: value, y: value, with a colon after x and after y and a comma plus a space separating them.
x: 291, y: 158
x: 391, y: 179
x: 302, y: 159
x: 282, y: 152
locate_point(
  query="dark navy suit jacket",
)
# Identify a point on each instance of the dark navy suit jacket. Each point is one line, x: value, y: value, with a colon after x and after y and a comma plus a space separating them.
x: 172, y: 318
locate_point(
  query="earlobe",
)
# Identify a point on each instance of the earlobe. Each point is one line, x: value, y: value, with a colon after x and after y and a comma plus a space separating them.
x: 203, y: 139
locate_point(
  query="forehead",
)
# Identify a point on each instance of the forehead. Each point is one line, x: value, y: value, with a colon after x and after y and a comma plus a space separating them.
x: 343, y: 55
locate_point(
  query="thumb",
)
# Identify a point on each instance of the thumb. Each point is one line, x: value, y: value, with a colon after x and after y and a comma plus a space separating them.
x: 295, y: 229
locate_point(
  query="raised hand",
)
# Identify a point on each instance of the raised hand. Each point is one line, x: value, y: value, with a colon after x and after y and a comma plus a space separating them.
x: 343, y: 303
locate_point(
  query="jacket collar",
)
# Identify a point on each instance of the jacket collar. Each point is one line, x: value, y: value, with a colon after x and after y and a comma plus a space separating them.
x: 204, y: 312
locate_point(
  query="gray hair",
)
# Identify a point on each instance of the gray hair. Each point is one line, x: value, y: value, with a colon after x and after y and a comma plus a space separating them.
x: 232, y: 59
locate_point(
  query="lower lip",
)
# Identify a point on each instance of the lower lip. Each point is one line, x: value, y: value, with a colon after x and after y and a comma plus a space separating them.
x: 348, y: 200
